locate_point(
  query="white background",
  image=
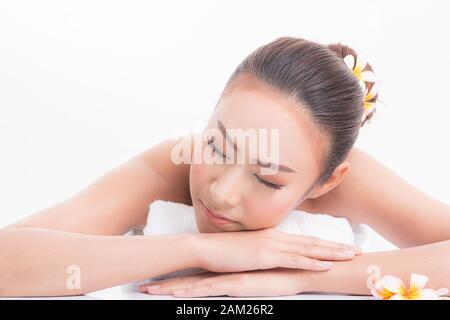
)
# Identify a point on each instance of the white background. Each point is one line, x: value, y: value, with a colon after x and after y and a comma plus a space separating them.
x: 86, y: 85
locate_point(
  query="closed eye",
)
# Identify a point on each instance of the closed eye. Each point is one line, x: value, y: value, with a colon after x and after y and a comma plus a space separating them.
x: 269, y: 184
x: 264, y: 182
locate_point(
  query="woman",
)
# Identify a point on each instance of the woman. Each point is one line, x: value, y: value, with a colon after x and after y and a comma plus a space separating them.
x: 316, y: 97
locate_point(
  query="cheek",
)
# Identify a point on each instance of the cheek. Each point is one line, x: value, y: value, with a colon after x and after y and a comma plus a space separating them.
x: 267, y: 212
x: 198, y: 176
x: 199, y: 171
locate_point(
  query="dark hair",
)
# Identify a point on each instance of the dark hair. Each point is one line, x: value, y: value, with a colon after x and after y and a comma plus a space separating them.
x: 316, y: 76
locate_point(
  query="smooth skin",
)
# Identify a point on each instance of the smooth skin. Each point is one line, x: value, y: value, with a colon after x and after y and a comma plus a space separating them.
x: 87, y: 229
x: 370, y: 193
x: 404, y: 211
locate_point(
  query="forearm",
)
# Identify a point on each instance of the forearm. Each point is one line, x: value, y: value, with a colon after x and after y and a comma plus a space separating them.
x: 350, y: 277
x: 35, y: 262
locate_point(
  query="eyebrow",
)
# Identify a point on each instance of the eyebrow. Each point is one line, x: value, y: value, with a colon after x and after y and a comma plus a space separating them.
x: 223, y: 130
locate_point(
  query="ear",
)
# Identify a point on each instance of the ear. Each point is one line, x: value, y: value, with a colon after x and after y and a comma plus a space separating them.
x: 339, y: 173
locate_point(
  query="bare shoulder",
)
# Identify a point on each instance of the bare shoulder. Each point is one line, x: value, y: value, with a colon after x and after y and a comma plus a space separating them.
x: 174, y: 173
x: 373, y: 194
x: 118, y: 200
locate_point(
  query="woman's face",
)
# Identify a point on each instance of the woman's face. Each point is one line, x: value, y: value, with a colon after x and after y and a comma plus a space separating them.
x: 241, y: 190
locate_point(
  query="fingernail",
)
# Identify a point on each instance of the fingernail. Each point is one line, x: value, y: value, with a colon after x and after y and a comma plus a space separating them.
x: 176, y: 292
x: 152, y: 288
x: 324, y: 264
x: 347, y: 253
x: 357, y: 249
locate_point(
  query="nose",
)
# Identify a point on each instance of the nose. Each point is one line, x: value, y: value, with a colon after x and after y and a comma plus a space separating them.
x: 224, y: 190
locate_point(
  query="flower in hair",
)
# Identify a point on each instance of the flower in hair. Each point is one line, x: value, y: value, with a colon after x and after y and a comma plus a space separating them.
x: 369, y: 105
x: 357, y: 67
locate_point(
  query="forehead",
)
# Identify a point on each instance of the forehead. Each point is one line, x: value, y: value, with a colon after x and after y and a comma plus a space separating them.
x: 250, y: 104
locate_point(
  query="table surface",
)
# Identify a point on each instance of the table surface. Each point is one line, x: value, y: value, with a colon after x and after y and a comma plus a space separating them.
x: 117, y: 293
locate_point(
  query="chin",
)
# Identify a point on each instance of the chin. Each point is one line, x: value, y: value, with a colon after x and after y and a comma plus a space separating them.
x: 205, y: 227
x: 202, y: 226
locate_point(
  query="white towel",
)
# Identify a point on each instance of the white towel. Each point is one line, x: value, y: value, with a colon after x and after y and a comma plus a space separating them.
x: 166, y: 217
x: 176, y: 218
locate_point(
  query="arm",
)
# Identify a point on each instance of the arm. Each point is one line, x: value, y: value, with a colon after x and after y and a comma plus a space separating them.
x: 351, y: 277
x: 38, y: 260
x: 118, y: 201
x: 371, y: 193
x: 86, y: 230
x: 345, y: 277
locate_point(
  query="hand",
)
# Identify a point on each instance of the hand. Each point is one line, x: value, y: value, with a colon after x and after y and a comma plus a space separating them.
x: 267, y: 249
x: 273, y: 282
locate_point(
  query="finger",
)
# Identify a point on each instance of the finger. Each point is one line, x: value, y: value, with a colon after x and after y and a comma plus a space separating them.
x: 295, y: 238
x: 166, y: 283
x: 166, y: 286
x: 320, y: 252
x: 326, y: 243
x: 292, y: 260
x: 145, y: 286
x: 315, y: 251
x: 212, y: 288
x: 239, y: 286
x: 168, y: 290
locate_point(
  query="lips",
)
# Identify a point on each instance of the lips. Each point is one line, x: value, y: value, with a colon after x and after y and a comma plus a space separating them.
x: 215, y: 217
